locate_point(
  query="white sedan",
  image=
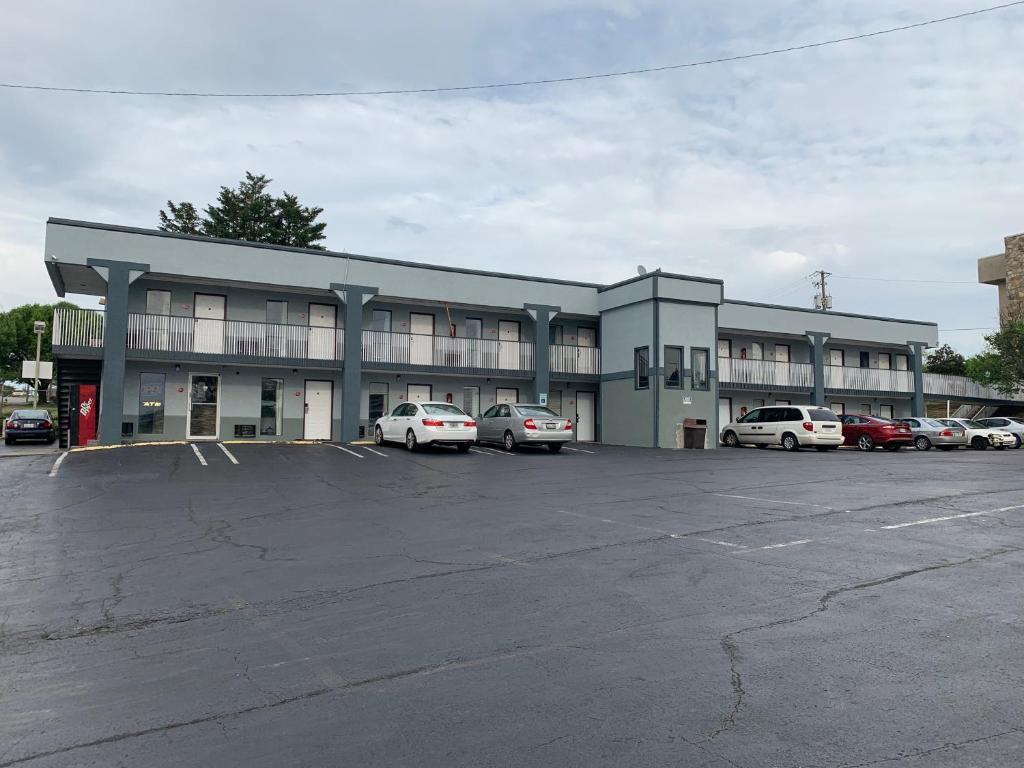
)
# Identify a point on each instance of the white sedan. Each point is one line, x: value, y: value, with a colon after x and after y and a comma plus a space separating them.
x: 417, y: 424
x: 980, y: 437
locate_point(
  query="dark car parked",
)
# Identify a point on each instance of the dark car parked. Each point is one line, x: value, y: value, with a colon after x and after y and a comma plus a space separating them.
x: 867, y: 432
x: 29, y: 424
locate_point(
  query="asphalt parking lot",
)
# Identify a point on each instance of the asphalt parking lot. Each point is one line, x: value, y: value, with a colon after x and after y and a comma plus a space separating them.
x: 355, y: 605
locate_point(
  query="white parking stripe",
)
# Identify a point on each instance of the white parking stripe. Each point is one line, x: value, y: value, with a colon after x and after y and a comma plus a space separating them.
x: 371, y: 450
x: 346, y: 450
x: 780, y: 546
x: 195, y: 450
x: 57, y: 463
x: 773, y: 501
x: 720, y: 543
x: 928, y: 520
x: 482, y: 453
x: 227, y: 453
x: 496, y: 451
x: 579, y: 450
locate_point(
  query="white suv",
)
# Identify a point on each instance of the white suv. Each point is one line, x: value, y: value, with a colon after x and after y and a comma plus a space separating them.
x: 791, y: 426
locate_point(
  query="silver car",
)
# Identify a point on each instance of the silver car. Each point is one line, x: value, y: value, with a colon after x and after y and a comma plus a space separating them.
x: 929, y: 432
x: 514, y: 424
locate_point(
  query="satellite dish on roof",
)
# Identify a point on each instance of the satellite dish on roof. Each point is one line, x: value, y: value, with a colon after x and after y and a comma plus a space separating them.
x: 641, y: 269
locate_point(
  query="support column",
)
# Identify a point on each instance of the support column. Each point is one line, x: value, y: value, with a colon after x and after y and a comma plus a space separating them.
x: 353, y: 297
x: 917, y: 349
x: 817, y: 340
x: 542, y: 315
x: 119, y: 276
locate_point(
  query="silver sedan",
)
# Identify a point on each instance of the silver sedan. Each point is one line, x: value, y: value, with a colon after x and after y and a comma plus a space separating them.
x: 929, y: 432
x: 514, y: 424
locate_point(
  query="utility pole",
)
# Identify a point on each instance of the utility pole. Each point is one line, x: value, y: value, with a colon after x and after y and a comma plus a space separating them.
x: 822, y: 300
x: 40, y: 328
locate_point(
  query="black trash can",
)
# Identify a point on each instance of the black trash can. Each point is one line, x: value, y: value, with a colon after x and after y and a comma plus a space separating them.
x: 694, y: 431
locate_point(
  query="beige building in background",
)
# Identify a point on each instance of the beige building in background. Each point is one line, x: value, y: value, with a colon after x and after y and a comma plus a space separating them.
x: 1006, y: 270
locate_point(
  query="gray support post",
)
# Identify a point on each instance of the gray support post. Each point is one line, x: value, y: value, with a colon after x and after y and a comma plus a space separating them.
x: 542, y: 315
x: 119, y: 275
x: 817, y: 340
x: 353, y: 297
x: 917, y: 360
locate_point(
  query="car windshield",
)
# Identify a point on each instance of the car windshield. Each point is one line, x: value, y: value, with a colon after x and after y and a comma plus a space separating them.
x: 1015, y: 421
x: 442, y: 409
x: 822, y: 414
x: 30, y: 415
x: 536, y: 410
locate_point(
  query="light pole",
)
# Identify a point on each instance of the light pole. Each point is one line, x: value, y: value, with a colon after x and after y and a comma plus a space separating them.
x: 39, y: 326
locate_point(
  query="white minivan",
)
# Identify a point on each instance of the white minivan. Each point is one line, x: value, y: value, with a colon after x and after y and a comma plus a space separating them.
x: 791, y: 426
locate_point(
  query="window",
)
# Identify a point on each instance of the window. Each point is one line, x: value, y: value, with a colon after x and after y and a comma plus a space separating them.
x: 782, y: 353
x: 673, y: 367
x: 158, y: 302
x: 380, y: 320
x: 884, y: 361
x: 151, y: 403
x: 504, y: 411
x: 821, y: 414
x: 442, y: 409
x: 699, y: 369
x: 758, y: 402
x: 885, y: 411
x: 865, y: 360
x: 399, y: 410
x: 491, y: 412
x: 277, y: 312
x: 535, y: 410
x: 641, y: 368
x: 839, y: 408
x: 474, y: 328
x: 271, y: 406
x: 865, y: 408
x: 378, y: 404
x: 751, y: 418
x: 756, y: 350
x: 555, y: 334
x: 902, y: 362
x: 725, y: 348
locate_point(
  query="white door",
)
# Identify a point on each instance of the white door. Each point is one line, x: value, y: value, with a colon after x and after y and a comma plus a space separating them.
x: 508, y: 345
x: 781, y: 353
x: 884, y: 361
x: 317, y: 421
x: 901, y: 362
x: 203, y: 414
x: 158, y: 321
x: 323, y: 323
x: 421, y: 343
x: 585, y: 412
x: 418, y: 393
x: 756, y: 350
x: 724, y: 412
x: 209, y: 324
x: 724, y: 348
x: 586, y: 361
x: 506, y: 395
x: 835, y: 357
x: 471, y: 400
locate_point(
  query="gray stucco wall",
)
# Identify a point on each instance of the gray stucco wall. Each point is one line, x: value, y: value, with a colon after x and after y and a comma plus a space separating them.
x: 687, y: 326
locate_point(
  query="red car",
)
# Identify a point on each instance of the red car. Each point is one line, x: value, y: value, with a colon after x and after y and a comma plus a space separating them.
x: 866, y: 432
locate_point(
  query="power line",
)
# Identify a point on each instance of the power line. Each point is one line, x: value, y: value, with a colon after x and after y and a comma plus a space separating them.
x: 905, y: 280
x: 520, y: 83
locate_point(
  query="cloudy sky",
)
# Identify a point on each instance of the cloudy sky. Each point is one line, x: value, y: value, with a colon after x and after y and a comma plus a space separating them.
x: 896, y: 158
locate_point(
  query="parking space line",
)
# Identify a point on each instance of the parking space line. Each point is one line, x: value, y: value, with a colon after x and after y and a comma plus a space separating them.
x: 371, y: 450
x: 227, y: 453
x: 495, y: 451
x: 195, y: 450
x: 346, y: 450
x: 579, y: 450
x: 779, y: 546
x: 721, y: 543
x: 482, y: 453
x: 57, y: 463
x: 928, y: 520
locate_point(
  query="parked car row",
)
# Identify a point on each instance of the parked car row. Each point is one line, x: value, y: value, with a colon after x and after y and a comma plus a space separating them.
x: 795, y: 427
x: 510, y: 424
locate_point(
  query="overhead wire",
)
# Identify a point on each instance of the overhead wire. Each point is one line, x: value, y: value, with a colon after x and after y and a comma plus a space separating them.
x: 518, y: 83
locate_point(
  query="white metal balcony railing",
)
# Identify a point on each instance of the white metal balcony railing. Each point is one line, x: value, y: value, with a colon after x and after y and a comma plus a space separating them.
x: 869, y: 379
x: 765, y: 372
x: 392, y: 348
x: 78, y: 327
x: 165, y: 333
x: 568, y: 359
x: 957, y: 387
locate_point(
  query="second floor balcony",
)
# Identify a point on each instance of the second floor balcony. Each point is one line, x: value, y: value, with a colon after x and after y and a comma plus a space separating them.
x: 767, y: 373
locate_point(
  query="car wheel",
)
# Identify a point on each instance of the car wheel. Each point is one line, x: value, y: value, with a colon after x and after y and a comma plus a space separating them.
x: 866, y: 443
x: 1017, y: 439
x: 8, y: 441
x: 979, y: 443
x: 378, y: 436
x: 922, y: 443
x: 555, y: 447
x: 730, y: 439
x: 410, y: 440
x: 463, y: 447
x: 790, y: 443
x: 509, y: 441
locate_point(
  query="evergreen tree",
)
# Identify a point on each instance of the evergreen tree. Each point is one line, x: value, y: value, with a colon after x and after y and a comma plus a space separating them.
x: 946, y: 360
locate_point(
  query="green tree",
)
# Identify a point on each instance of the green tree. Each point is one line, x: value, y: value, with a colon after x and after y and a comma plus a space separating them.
x: 946, y: 360
x: 18, y: 338
x: 249, y: 212
x: 1001, y: 366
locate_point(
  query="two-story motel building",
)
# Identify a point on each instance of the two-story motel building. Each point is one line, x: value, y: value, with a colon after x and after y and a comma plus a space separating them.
x: 209, y: 339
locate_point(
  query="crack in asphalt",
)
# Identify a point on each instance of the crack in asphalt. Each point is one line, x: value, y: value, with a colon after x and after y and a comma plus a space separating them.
x: 934, y: 750
x: 730, y: 645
